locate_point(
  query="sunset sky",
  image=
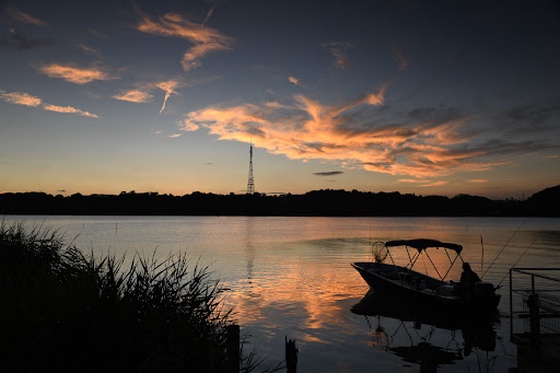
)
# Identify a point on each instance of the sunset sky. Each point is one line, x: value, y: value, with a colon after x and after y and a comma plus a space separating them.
x: 425, y: 97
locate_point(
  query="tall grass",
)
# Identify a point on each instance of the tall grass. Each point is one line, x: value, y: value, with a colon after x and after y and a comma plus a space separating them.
x: 65, y: 311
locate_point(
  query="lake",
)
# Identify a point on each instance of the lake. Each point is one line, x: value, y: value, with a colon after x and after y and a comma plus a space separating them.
x: 291, y: 276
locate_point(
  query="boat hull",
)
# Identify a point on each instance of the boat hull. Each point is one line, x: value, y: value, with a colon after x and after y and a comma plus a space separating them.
x: 414, y: 289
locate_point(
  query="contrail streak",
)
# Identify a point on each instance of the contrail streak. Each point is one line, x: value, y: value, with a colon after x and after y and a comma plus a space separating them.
x: 209, y: 13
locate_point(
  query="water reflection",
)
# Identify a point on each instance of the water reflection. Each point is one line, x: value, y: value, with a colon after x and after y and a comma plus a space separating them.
x: 430, y: 338
x: 250, y: 248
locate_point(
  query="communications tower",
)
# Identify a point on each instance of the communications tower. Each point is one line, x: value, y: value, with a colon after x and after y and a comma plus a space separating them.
x: 250, y: 179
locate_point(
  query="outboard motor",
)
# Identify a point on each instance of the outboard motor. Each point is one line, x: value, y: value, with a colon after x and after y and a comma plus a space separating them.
x: 483, y: 289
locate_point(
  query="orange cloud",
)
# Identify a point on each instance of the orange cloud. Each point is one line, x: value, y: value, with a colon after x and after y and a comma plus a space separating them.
x: 134, y: 95
x: 169, y: 89
x: 20, y: 98
x: 412, y: 181
x: 74, y: 74
x: 205, y: 40
x: 435, y: 183
x: 25, y: 99
x: 68, y: 110
x: 305, y: 129
x: 188, y: 125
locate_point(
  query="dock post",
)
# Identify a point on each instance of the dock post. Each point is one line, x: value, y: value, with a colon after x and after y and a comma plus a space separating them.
x: 291, y: 355
x: 534, y: 314
x: 232, y: 345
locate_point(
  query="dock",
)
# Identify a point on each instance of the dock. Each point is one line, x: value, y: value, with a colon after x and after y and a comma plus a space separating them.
x: 534, y: 305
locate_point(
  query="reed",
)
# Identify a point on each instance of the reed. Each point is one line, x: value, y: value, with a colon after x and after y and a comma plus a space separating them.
x: 66, y: 311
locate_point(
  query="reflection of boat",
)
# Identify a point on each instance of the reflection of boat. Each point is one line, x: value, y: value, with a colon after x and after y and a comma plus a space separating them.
x: 404, y: 283
x: 412, y: 334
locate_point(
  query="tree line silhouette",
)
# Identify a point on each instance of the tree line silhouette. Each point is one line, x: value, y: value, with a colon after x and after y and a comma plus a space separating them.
x: 327, y: 202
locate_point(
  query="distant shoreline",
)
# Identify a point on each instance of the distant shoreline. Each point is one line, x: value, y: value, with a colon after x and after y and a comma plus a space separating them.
x: 328, y: 202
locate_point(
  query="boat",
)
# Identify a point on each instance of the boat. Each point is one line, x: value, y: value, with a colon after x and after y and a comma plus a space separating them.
x: 405, y: 284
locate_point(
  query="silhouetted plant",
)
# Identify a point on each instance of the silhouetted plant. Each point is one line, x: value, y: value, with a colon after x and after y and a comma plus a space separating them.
x: 69, y: 312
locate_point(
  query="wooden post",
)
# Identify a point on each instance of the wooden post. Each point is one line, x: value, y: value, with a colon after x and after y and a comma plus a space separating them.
x: 534, y: 314
x: 232, y: 345
x: 291, y: 355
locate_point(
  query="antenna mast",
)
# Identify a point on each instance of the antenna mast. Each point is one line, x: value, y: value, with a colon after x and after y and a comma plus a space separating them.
x: 251, y: 180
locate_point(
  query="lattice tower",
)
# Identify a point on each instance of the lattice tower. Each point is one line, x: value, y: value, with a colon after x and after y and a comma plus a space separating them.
x: 251, y: 179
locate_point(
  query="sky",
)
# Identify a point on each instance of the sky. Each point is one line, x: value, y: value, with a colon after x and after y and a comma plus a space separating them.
x: 425, y: 97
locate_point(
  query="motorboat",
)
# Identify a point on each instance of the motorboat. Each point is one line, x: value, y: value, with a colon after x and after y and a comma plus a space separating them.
x: 405, y: 284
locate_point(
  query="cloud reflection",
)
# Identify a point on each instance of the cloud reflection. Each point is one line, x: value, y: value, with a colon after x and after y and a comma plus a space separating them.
x: 292, y: 302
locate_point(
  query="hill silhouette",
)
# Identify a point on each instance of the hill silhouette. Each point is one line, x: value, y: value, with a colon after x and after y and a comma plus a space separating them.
x: 327, y: 202
x: 546, y: 201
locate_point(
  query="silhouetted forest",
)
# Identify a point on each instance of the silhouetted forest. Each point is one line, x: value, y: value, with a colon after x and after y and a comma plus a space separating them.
x: 314, y: 203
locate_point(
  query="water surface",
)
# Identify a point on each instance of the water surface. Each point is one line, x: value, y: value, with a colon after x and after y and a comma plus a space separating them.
x: 291, y: 276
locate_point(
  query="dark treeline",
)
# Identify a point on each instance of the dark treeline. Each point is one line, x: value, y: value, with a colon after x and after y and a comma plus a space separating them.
x: 315, y: 203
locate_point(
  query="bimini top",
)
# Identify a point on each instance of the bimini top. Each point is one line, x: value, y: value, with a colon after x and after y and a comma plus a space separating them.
x: 423, y: 243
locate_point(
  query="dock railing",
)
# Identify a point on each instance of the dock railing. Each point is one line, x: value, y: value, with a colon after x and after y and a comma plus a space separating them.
x: 534, y: 304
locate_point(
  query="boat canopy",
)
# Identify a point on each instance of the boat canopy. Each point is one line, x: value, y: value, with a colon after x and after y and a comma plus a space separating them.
x: 423, y: 243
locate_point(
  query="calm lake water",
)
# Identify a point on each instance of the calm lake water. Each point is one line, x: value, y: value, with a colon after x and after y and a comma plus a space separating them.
x: 291, y: 276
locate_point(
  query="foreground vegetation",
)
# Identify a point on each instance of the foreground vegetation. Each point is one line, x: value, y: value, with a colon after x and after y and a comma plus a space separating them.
x: 64, y: 311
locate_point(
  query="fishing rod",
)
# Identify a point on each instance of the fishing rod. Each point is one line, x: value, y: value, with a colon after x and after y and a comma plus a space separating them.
x: 482, y: 254
x: 517, y: 261
x: 506, y: 244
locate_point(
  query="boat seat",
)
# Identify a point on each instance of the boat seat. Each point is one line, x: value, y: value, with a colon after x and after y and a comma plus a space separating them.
x: 447, y: 289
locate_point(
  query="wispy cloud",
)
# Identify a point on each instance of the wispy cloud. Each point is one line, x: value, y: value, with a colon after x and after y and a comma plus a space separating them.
x: 68, y: 110
x: 142, y: 93
x: 210, y: 12
x: 339, y: 50
x: 169, y: 88
x: 528, y: 118
x: 20, y: 98
x: 17, y: 40
x: 23, y: 17
x: 188, y: 125
x: 411, y: 181
x: 74, y: 74
x: 89, y: 50
x: 435, y: 184
x: 328, y: 173
x: 25, y: 99
x: 293, y: 80
x: 134, y: 95
x: 423, y: 182
x: 204, y: 39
